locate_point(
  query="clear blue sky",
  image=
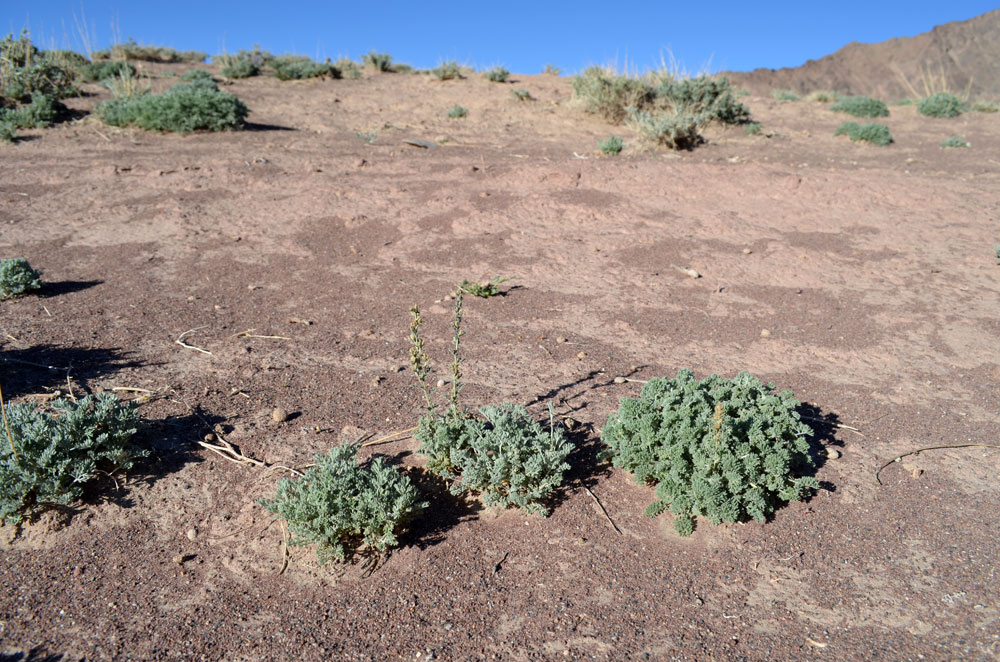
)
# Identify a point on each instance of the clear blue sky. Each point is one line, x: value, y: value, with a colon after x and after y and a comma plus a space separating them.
x: 523, y: 36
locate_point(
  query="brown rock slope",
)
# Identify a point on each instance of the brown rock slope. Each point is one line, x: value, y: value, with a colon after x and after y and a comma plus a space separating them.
x: 961, y: 57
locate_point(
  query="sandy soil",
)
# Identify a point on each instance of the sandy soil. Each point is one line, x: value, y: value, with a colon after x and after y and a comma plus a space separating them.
x: 871, y: 270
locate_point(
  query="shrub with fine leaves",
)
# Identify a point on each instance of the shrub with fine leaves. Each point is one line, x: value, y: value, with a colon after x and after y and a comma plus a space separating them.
x: 185, y: 107
x: 497, y: 75
x: 17, y: 277
x: 50, y: 457
x: 941, y: 104
x: 729, y: 449
x: 340, y: 503
x: 873, y: 132
x: 861, y: 106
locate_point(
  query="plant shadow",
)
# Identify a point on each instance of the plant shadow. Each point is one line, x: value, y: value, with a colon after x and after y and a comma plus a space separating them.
x: 444, y: 511
x: 66, y: 287
x: 33, y: 369
x: 254, y: 126
x: 33, y: 655
x: 824, y: 426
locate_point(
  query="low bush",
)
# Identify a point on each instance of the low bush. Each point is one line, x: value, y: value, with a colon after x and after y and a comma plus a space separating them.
x: 872, y: 132
x: 185, y: 107
x: 102, y: 70
x: 196, y: 75
x: 605, y: 93
x: 861, y: 106
x: 673, y: 130
x: 730, y: 449
x: 25, y: 72
x: 38, y: 114
x: 130, y: 50
x: 506, y: 456
x: 447, y: 71
x: 612, y: 146
x: 8, y: 132
x: 378, y: 61
x: 295, y: 67
x: 456, y: 112
x: 340, y: 503
x: 941, y: 104
x: 986, y: 106
x: 954, y: 141
x: 822, y: 96
x: 347, y: 67
x: 17, y: 277
x: 784, y: 95
x: 237, y: 67
x: 522, y: 95
x: 551, y: 70
x: 752, y: 129
x: 490, y: 288
x: 497, y: 75
x: 49, y: 458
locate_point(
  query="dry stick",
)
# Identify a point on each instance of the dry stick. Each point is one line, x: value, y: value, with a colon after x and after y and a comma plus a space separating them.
x: 132, y: 388
x: 687, y: 272
x: 6, y: 425
x: 248, y: 334
x: 840, y: 426
x: 284, y: 549
x: 601, y: 506
x: 930, y: 448
x: 180, y: 340
x: 390, y: 437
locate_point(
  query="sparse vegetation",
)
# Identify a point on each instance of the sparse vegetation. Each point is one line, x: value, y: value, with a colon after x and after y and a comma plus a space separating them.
x: 348, y: 68
x: 243, y: 63
x: 378, y: 61
x: 603, y: 92
x: 298, y: 67
x: 497, y: 75
x: 130, y: 50
x: 38, y: 114
x: 872, y: 132
x: 954, y: 141
x: 673, y: 130
x: 196, y: 74
x: 784, y: 95
x: 484, y: 290
x: 861, y: 106
x: 985, y: 107
x: 506, y: 456
x: 447, y: 71
x: 522, y: 95
x: 551, y: 70
x: 17, y: 277
x: 752, y: 129
x: 25, y: 73
x: 49, y: 458
x: 941, y: 105
x: 457, y: 111
x: 367, y: 136
x: 822, y: 96
x: 185, y: 107
x: 102, y: 70
x: 340, y: 503
x: 612, y: 146
x: 730, y: 449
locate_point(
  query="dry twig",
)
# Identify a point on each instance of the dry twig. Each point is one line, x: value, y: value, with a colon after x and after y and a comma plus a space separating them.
x: 249, y: 334
x: 603, y: 510
x: 180, y: 340
x: 839, y: 426
x: 929, y: 448
x: 391, y: 437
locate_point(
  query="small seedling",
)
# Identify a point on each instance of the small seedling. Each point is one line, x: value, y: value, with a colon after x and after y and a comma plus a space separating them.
x: 996, y: 252
x: 612, y: 146
x: 17, y: 277
x: 368, y: 136
x: 873, y: 132
x: 497, y: 75
x: 861, y: 106
x: 522, y: 95
x: 484, y: 290
x: 457, y: 112
x: 941, y: 104
x: 752, y: 129
x: 954, y: 141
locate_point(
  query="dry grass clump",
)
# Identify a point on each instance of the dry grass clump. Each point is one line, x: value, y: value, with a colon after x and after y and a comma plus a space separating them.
x: 130, y: 50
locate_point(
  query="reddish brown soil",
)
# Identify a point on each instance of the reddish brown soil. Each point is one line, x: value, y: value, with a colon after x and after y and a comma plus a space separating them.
x: 871, y: 268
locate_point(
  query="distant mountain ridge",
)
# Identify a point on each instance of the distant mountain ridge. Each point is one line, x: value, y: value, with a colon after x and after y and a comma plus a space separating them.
x: 960, y: 57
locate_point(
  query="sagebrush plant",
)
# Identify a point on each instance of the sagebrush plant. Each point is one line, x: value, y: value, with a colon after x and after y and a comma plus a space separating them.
x: 673, y: 130
x: 729, y: 449
x: 185, y: 107
x: 195, y: 75
x: 522, y: 94
x: 38, y: 114
x: 130, y: 50
x: 8, y: 132
x: 784, y: 95
x: 611, y: 146
x: 98, y: 71
x: 942, y: 104
x: 447, y: 71
x: 378, y: 61
x: 457, y: 112
x: 506, y: 456
x: 484, y: 290
x: 17, y: 277
x: 954, y: 141
x: 752, y: 129
x: 822, y: 96
x: 497, y: 74
x: 861, y: 106
x: 29, y: 77
x: 243, y: 63
x: 605, y: 93
x: 873, y: 132
x: 985, y: 106
x: 50, y: 457
x: 347, y: 67
x: 298, y: 67
x: 340, y: 503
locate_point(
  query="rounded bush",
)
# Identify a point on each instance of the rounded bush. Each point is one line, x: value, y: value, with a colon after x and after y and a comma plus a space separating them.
x: 941, y: 104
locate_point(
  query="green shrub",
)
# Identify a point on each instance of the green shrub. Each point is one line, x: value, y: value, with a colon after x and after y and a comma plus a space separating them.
x: 941, y: 104
x: 347, y: 67
x: 295, y: 67
x: 752, y: 129
x: 98, y: 71
x: 612, y: 146
x: 784, y: 95
x: 340, y: 503
x: 954, y: 141
x: 38, y: 114
x: 551, y: 70
x: 49, y: 458
x: 197, y: 74
x: 872, y: 132
x: 986, y: 107
x: 711, y: 99
x: 522, y: 95
x: 8, y: 132
x: 725, y: 448
x: 861, y: 106
x: 484, y: 290
x: 65, y: 58
x: 378, y: 61
x: 244, y: 63
x: 17, y: 276
x: 238, y: 68
x: 457, y: 112
x: 507, y: 456
x: 183, y: 108
x: 604, y: 93
x: 130, y: 50
x: 447, y: 71
x: 822, y: 96
x: 24, y: 72
x: 673, y: 130
x: 497, y: 75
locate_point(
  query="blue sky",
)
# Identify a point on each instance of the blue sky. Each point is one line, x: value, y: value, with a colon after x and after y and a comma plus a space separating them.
x: 523, y: 36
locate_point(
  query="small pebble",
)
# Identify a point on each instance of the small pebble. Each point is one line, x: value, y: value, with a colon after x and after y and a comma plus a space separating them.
x: 581, y: 355
x: 192, y: 534
x: 765, y: 333
x: 560, y: 339
x: 209, y: 437
x: 620, y: 380
x: 279, y: 415
x: 832, y: 453
x: 570, y: 423
x: 747, y: 251
x: 440, y: 383
x: 178, y: 559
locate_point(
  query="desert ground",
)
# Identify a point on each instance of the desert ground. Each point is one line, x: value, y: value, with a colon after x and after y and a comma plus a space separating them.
x: 861, y: 278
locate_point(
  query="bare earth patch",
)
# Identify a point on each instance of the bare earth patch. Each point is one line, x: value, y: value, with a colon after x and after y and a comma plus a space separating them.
x: 870, y: 269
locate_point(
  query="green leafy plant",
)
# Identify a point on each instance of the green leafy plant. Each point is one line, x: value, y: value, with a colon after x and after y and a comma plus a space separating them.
x: 243, y: 63
x: 729, y: 449
x: 784, y: 95
x: 611, y: 146
x: 98, y: 71
x: 986, y: 106
x: 709, y: 99
x: 522, y: 95
x: 484, y: 290
x: 954, y: 141
x: 49, y: 458
x: 603, y: 92
x: 942, y: 104
x: 8, y: 132
x: 183, y: 108
x: 130, y: 50
x: 25, y: 73
x: 996, y: 252
x: 197, y: 74
x: 17, y: 277
x: 298, y: 67
x: 673, y: 130
x: 348, y: 68
x: 367, y: 136
x: 457, y: 112
x: 340, y: 503
x: 752, y: 129
x: 447, y: 71
x: 873, y: 132
x: 497, y: 75
x: 40, y: 113
x: 822, y: 96
x: 861, y: 106
x: 506, y: 456
x: 378, y: 61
